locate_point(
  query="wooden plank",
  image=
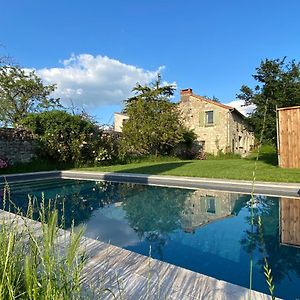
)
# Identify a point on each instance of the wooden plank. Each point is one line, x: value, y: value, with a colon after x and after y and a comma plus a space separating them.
x: 290, y: 221
x: 280, y: 150
x: 282, y: 139
x: 293, y: 146
x: 289, y: 137
x: 134, y: 276
x: 297, y: 137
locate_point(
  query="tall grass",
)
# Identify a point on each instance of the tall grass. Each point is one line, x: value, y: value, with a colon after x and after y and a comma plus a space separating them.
x: 38, y: 260
x: 267, y: 269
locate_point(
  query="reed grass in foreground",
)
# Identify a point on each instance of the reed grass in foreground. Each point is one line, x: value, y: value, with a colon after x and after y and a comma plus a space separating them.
x: 36, y: 262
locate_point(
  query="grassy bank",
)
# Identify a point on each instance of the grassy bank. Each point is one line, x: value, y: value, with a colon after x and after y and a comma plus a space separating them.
x: 227, y: 168
x: 34, y: 166
x: 224, y: 166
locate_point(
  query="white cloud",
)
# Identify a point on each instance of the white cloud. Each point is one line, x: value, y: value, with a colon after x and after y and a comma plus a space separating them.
x: 239, y: 105
x: 91, y: 81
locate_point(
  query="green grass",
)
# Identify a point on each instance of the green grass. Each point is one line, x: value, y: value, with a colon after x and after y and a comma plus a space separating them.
x: 223, y: 166
x: 34, y: 166
x: 235, y: 168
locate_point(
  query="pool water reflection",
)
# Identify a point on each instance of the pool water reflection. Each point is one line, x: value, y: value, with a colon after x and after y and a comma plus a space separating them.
x: 205, y: 231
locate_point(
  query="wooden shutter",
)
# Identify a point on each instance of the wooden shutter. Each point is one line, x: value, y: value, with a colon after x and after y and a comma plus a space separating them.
x: 216, y: 117
x: 201, y: 118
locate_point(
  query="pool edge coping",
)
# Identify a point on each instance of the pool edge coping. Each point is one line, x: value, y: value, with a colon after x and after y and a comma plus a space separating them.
x: 275, y: 189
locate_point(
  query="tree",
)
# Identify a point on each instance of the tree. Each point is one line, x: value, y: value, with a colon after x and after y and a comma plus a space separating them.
x: 153, y: 126
x: 21, y: 93
x: 278, y: 85
x: 5, y: 59
x: 213, y: 98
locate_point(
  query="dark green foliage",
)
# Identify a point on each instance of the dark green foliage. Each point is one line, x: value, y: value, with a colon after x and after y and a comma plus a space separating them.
x: 278, y: 85
x: 213, y: 98
x: 163, y: 210
x: 35, y: 165
x: 154, y: 126
x: 64, y: 137
x: 21, y: 93
x: 221, y: 155
x: 267, y: 154
x: 187, y: 148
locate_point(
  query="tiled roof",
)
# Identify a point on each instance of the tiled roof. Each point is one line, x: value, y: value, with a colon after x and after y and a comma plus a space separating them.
x: 188, y: 92
x: 212, y: 102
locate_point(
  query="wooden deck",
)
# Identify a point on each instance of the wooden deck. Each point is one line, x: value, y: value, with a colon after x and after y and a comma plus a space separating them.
x: 133, y: 276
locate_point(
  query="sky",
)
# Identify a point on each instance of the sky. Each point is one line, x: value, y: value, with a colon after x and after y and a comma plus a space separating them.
x: 96, y: 50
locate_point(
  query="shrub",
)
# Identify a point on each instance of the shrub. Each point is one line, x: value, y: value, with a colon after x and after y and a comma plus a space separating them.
x: 222, y: 155
x: 3, y: 164
x: 108, y: 152
x: 188, y: 148
x: 66, y: 138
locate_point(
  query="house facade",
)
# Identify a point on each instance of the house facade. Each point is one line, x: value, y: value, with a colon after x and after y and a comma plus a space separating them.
x: 119, y: 120
x: 218, y: 127
x: 203, y: 206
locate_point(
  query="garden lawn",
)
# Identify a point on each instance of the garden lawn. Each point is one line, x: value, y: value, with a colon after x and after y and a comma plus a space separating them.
x: 241, y: 169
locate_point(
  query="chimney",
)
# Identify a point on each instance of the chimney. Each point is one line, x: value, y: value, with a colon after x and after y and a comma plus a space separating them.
x: 186, y: 92
x: 185, y: 95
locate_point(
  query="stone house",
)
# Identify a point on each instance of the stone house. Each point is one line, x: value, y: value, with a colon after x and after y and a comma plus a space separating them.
x: 204, y: 206
x: 218, y: 127
x: 119, y: 120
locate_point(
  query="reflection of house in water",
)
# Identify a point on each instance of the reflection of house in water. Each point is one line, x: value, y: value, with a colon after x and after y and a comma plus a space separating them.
x: 203, y: 207
x: 290, y: 221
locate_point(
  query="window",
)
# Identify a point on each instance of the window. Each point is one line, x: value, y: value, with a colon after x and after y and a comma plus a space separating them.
x: 211, y: 204
x: 209, y: 117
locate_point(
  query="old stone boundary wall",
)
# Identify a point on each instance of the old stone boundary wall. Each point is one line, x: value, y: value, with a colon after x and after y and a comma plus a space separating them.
x: 16, y: 145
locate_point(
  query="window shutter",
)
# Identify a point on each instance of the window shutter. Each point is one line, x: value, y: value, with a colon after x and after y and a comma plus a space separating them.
x: 201, y: 119
x: 216, y: 117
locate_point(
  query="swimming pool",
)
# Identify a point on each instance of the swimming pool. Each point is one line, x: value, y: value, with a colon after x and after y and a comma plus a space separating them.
x: 209, y: 232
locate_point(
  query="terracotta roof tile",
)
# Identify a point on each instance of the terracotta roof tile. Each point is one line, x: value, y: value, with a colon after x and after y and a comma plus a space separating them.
x: 211, y: 101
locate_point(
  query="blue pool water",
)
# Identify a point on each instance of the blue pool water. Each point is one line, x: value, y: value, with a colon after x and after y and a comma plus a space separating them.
x: 205, y: 231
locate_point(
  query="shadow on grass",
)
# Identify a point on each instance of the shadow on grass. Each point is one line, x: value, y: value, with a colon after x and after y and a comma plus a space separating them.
x: 268, y: 158
x: 155, y: 168
x: 35, y: 166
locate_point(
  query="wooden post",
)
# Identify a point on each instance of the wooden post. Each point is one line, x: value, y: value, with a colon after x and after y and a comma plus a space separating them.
x: 278, y: 137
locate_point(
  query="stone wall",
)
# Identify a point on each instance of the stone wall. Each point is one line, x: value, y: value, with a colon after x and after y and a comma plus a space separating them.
x: 212, y: 136
x: 119, y: 120
x: 240, y: 135
x: 228, y: 131
x: 16, y: 145
x: 203, y: 206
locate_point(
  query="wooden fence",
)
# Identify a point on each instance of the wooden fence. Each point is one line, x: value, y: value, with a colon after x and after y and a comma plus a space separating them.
x: 288, y: 137
x: 290, y: 221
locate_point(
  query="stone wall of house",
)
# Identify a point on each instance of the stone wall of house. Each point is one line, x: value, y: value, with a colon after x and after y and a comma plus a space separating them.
x: 240, y: 135
x: 213, y: 136
x: 119, y: 120
x: 204, y: 206
x: 229, y: 131
x: 16, y: 145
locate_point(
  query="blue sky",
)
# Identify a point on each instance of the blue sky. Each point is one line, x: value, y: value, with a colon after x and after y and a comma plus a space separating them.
x: 97, y: 50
